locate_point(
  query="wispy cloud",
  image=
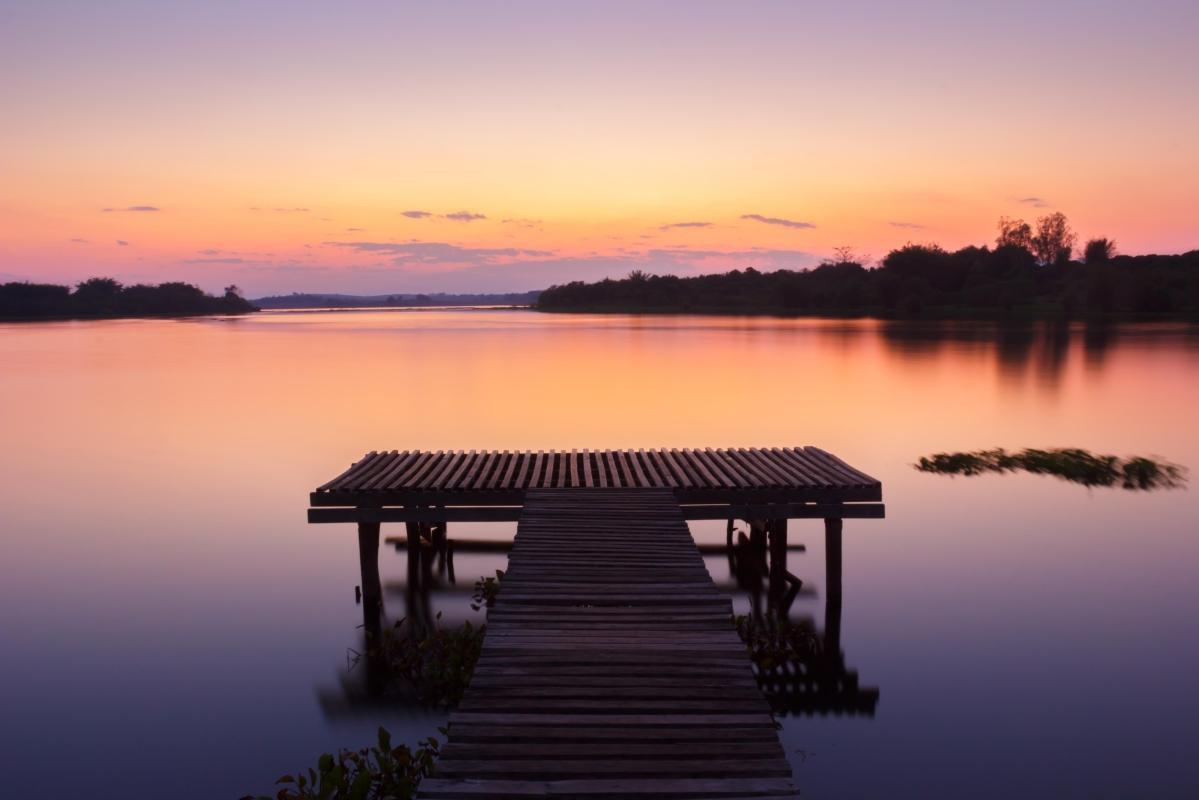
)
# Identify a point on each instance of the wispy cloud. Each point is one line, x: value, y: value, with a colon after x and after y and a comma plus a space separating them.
x: 355, y: 230
x: 222, y: 260
x: 672, y: 225
x: 416, y: 214
x: 440, y: 252
x: 283, y: 210
x: 915, y: 226
x: 786, y: 223
x: 131, y: 208
x: 465, y: 216
x: 1035, y: 202
x: 77, y: 240
x: 122, y: 243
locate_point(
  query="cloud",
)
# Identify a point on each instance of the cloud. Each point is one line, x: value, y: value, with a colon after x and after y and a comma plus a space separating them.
x: 1035, y: 202
x: 440, y: 252
x: 211, y: 251
x: 132, y: 208
x: 464, y: 216
x: 915, y: 226
x: 355, y: 230
x: 671, y: 225
x: 786, y: 223
x: 122, y: 243
x: 292, y: 210
x: 416, y: 214
x: 221, y: 260
x: 77, y: 240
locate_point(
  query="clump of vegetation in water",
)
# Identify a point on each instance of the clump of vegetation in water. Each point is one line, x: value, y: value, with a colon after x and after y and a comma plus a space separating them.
x: 775, y: 643
x: 438, y: 663
x: 1071, y: 464
x: 486, y: 590
x: 381, y: 772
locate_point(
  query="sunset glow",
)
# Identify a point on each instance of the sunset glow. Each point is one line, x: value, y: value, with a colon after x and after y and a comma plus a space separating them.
x: 378, y: 147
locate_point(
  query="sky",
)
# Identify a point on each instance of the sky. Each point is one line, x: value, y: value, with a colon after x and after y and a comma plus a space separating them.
x: 369, y: 147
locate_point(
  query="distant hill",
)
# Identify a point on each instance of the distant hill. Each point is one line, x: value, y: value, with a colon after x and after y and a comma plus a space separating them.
x: 297, y: 300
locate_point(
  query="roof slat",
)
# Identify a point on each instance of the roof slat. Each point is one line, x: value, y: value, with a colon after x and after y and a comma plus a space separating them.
x: 815, y: 475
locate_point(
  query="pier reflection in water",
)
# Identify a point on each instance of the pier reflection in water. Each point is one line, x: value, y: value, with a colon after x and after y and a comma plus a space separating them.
x: 799, y: 664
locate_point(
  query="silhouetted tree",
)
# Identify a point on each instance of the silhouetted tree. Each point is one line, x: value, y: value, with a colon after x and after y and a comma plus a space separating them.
x: 1014, y: 233
x: 1054, y: 240
x: 1099, y: 251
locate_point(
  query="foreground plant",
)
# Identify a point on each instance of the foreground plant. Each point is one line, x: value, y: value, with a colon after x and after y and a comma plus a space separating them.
x: 381, y: 772
x: 1068, y: 463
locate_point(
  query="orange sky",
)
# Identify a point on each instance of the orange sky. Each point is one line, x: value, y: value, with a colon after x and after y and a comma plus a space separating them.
x: 279, y: 147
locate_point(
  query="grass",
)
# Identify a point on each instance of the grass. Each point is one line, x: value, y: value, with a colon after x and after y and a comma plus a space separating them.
x: 1137, y: 473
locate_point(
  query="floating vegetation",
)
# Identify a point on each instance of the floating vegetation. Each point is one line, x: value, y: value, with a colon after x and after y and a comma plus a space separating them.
x: 372, y: 773
x: 437, y: 664
x: 485, y: 591
x: 773, y: 644
x: 1068, y: 463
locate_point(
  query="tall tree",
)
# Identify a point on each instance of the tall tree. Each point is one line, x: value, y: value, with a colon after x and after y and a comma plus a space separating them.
x: 1054, y: 240
x: 1014, y: 233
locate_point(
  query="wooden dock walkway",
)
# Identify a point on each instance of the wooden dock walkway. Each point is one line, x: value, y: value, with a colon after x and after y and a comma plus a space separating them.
x: 610, y: 667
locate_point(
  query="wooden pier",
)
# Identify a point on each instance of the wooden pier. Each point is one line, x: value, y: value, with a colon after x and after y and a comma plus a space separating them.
x: 610, y: 668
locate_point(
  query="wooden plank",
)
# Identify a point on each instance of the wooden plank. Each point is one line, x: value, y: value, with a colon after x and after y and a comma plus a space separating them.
x: 397, y: 466
x: 614, y: 477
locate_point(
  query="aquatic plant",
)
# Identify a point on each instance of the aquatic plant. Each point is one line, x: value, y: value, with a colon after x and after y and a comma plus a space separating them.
x: 1137, y: 473
x: 381, y: 772
x: 486, y: 590
x: 773, y: 643
x: 437, y: 663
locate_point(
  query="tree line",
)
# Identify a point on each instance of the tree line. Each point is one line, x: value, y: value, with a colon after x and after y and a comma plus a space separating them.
x: 105, y: 297
x: 1030, y: 271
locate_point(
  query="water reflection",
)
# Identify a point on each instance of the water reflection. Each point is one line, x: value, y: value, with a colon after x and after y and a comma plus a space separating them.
x: 1017, y: 347
x: 800, y: 666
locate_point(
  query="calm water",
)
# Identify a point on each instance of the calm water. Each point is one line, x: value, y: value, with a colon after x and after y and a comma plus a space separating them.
x: 171, y: 626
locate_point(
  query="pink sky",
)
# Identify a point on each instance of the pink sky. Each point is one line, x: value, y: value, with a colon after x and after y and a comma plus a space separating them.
x: 388, y: 147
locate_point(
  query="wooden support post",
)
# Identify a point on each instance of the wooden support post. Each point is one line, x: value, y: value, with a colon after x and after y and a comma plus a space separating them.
x: 413, y: 531
x: 372, y: 586
x: 832, y: 577
x: 778, y: 559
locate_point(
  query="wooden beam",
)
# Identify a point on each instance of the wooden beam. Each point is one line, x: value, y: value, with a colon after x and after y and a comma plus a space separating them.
x: 785, y: 511
x: 686, y: 495
x: 512, y: 513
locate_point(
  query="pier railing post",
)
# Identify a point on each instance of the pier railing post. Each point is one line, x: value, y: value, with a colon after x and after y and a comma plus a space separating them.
x: 778, y: 560
x: 832, y: 578
x: 372, y: 586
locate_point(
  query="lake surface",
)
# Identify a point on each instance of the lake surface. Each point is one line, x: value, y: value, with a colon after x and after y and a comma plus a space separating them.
x: 170, y: 626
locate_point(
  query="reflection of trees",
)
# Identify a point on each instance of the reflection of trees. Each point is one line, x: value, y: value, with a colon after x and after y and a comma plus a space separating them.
x: 1015, y: 346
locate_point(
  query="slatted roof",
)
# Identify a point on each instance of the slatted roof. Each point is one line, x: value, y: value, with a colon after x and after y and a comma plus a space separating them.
x: 448, y: 476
